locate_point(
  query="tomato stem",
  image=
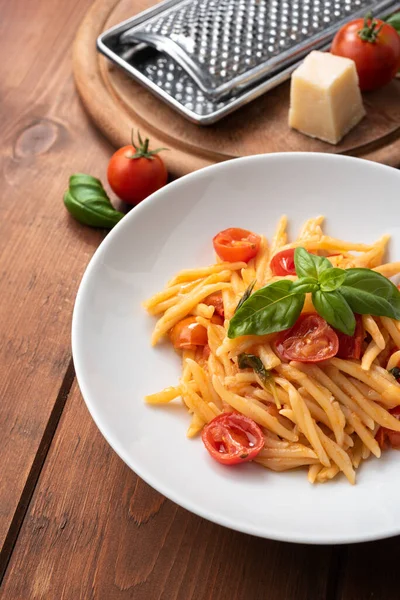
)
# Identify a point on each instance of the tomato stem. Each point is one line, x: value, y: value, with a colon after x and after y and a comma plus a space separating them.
x: 371, y: 29
x: 142, y: 148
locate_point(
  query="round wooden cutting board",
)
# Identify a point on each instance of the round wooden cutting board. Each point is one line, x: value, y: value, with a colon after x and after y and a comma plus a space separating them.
x: 117, y: 104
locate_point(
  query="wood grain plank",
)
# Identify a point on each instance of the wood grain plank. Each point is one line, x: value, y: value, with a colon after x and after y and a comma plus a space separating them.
x: 371, y: 571
x: 45, y: 136
x: 102, y: 533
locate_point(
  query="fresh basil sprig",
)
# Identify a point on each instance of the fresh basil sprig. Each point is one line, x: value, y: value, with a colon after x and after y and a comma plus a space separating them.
x: 270, y: 309
x: 87, y: 201
x: 310, y: 265
x: 336, y: 294
x: 334, y: 309
x: 369, y: 292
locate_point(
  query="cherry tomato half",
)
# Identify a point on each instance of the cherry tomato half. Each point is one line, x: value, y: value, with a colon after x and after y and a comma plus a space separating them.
x: 235, y: 244
x: 232, y: 438
x: 393, y: 437
x: 216, y: 301
x: 134, y: 172
x: 310, y: 339
x: 374, y: 46
x: 350, y: 346
x: 188, y: 334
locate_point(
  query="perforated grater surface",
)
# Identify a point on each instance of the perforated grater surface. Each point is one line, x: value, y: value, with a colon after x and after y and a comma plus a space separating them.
x: 208, y: 57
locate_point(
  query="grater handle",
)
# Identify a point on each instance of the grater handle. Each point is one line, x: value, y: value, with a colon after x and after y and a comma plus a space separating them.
x: 175, y: 52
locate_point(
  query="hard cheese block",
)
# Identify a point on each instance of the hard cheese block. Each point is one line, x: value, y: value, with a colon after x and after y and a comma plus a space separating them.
x: 325, y: 100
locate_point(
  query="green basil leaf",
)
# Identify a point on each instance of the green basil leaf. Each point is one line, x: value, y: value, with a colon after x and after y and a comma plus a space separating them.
x: 368, y: 292
x: 272, y: 308
x: 250, y: 361
x: 304, y: 285
x: 335, y: 310
x: 246, y: 295
x: 394, y: 21
x: 331, y: 279
x: 309, y: 265
x: 87, y: 201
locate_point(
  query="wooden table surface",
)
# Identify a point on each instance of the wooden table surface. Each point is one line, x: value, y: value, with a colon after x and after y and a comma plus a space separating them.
x: 75, y: 522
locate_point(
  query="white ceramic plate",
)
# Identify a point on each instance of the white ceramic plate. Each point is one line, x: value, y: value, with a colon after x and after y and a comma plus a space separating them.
x: 116, y: 365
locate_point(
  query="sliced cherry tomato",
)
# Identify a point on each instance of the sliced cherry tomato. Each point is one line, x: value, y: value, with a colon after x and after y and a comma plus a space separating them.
x: 310, y: 339
x: 235, y: 244
x: 374, y: 46
x: 350, y: 345
x: 216, y: 301
x: 283, y: 263
x: 188, y: 334
x: 232, y: 438
x: 393, y: 437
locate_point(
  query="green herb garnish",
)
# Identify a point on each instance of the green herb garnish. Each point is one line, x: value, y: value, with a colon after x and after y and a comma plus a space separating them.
x: 87, y: 201
x: 246, y: 295
x: 250, y: 361
x: 336, y: 294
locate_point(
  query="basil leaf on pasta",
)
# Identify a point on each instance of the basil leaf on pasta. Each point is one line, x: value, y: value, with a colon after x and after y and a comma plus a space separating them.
x: 272, y: 308
x: 250, y: 361
x: 331, y: 279
x: 334, y: 309
x: 310, y: 265
x: 305, y: 285
x: 370, y: 293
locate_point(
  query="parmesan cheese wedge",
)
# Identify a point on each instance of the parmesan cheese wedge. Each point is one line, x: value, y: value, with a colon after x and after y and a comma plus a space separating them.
x: 325, y: 100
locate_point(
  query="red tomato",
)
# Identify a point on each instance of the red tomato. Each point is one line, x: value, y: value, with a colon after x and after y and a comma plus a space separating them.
x: 232, y: 438
x: 215, y: 300
x: 217, y: 320
x: 283, y: 263
x: 188, y: 334
x: 135, y: 172
x: 235, y: 244
x: 310, y: 339
x: 393, y: 437
x: 350, y: 345
x: 375, y: 48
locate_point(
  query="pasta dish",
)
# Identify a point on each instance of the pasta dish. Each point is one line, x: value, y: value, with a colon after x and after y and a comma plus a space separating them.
x: 290, y: 351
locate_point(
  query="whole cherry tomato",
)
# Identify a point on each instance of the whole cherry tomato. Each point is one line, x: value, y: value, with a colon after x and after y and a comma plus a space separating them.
x: 134, y: 172
x: 375, y: 48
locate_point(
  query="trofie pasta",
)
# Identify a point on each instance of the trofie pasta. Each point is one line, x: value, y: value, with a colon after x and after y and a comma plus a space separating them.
x: 290, y: 350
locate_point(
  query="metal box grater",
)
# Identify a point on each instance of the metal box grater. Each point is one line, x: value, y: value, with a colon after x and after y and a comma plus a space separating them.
x: 206, y: 58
